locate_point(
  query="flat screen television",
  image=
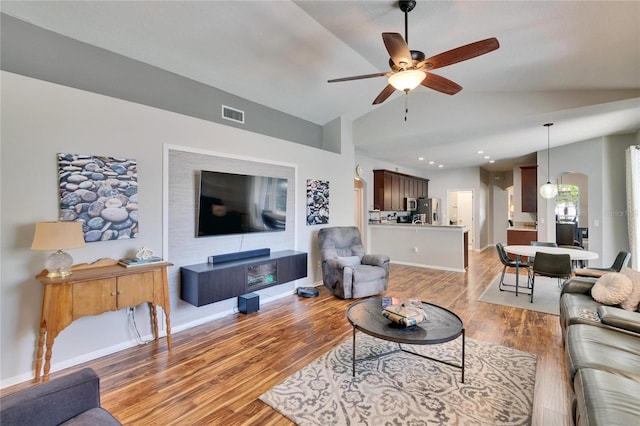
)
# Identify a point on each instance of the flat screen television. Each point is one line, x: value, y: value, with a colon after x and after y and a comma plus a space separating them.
x: 231, y: 203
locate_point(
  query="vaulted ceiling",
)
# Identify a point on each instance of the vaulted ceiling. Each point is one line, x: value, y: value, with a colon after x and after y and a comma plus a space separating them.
x: 574, y: 63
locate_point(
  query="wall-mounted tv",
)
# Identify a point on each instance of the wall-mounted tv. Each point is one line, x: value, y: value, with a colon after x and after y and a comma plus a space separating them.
x: 232, y: 203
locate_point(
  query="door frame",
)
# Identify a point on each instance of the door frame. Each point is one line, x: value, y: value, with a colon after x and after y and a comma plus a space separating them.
x: 472, y: 227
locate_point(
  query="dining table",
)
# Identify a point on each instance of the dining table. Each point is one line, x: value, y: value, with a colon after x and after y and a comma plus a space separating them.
x: 520, y: 251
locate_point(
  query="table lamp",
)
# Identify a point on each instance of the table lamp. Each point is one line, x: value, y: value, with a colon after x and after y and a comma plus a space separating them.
x: 58, y: 236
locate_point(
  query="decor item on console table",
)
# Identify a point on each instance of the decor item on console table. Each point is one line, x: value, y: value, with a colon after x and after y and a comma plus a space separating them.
x: 127, y: 263
x: 94, y: 289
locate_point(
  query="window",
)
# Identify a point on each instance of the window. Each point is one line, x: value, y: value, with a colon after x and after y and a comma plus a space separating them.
x: 568, y: 203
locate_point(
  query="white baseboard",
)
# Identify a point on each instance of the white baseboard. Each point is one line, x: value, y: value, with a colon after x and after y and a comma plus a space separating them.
x: 420, y: 265
x: 61, y: 365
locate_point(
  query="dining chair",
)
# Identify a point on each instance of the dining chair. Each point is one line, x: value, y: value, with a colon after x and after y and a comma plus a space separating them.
x: 507, y: 262
x: 622, y: 259
x: 543, y: 244
x: 550, y: 265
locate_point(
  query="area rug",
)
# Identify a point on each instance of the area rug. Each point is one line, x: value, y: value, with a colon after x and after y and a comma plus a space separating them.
x: 404, y: 389
x: 546, y: 297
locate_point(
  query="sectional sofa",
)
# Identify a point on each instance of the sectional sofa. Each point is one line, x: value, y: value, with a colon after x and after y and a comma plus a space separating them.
x: 73, y: 399
x: 602, y: 349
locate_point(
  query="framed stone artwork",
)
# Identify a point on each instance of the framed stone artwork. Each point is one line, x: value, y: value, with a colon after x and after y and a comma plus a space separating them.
x: 317, y: 202
x: 100, y: 192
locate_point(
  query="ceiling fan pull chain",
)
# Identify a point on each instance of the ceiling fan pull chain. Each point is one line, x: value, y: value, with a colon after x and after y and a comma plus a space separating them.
x: 406, y: 104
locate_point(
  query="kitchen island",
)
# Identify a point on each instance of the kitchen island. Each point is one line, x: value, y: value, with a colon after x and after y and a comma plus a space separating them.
x: 428, y: 246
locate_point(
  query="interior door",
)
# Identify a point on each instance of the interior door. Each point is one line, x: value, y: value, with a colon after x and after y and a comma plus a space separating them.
x: 461, y: 210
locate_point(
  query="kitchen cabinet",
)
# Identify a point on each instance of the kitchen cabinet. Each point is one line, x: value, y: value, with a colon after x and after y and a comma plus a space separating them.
x: 517, y: 237
x: 391, y: 188
x: 529, y: 188
x: 520, y: 237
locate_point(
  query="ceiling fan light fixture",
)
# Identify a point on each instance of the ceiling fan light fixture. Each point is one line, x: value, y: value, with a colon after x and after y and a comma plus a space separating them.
x: 407, y: 80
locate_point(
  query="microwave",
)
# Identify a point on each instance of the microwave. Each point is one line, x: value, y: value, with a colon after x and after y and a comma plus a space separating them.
x: 410, y: 204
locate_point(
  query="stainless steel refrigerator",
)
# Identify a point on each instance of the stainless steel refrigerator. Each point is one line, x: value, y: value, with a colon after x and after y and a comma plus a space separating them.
x: 431, y: 208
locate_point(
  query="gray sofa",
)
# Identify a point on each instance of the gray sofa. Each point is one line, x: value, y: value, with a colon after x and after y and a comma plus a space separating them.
x: 73, y: 399
x: 602, y: 349
x: 347, y: 271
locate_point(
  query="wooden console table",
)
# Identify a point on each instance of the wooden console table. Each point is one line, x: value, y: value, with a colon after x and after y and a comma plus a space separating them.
x: 93, y: 290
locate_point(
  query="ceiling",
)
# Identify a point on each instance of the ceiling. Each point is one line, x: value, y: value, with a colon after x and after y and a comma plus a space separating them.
x: 574, y: 63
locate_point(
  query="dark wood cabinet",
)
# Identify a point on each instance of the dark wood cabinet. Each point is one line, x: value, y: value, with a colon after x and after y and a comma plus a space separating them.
x: 391, y: 188
x: 529, y: 188
x: 206, y: 283
x: 465, y: 242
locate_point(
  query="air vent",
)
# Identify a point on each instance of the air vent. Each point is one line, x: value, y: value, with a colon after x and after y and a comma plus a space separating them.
x: 232, y: 114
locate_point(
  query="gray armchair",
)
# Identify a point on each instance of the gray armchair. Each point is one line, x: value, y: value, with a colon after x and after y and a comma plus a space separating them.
x: 347, y: 271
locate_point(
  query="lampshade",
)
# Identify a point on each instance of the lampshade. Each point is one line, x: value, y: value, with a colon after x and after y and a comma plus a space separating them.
x: 407, y: 80
x: 58, y: 236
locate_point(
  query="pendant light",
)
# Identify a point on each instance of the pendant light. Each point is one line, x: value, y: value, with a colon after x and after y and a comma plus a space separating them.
x: 548, y: 190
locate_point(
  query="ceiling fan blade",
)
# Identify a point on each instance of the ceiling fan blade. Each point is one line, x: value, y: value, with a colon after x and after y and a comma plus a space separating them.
x: 441, y: 84
x: 460, y: 54
x: 398, y: 49
x: 386, y: 92
x: 358, y: 77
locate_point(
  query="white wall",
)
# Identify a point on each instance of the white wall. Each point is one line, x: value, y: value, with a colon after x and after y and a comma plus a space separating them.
x: 602, y: 160
x: 499, y: 214
x: 41, y: 119
x: 442, y: 182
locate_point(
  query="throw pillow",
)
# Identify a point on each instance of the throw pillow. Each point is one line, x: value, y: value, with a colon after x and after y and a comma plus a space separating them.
x: 612, y: 288
x: 631, y: 303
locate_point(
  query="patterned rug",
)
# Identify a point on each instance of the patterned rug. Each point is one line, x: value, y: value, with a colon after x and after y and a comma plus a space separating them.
x: 404, y: 389
x: 546, y: 296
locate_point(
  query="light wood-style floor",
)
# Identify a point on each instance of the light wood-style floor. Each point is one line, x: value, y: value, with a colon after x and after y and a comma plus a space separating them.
x: 215, y: 373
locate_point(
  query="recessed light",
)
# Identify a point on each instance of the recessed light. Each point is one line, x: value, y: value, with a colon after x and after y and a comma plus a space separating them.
x: 432, y: 162
x: 440, y: 165
x: 486, y: 157
x: 480, y: 152
x: 492, y: 161
x: 420, y: 158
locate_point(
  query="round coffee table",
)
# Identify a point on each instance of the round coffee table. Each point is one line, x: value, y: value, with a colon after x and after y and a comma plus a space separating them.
x: 441, y: 326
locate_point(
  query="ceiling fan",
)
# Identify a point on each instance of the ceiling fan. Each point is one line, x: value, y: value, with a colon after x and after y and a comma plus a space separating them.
x: 409, y: 68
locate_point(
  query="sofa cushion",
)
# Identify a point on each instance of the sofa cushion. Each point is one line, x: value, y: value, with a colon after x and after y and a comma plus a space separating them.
x: 93, y: 417
x: 612, y: 288
x: 578, y: 285
x: 604, y: 398
x: 620, y: 318
x: 52, y: 402
x: 578, y: 308
x: 632, y: 303
x: 602, y: 349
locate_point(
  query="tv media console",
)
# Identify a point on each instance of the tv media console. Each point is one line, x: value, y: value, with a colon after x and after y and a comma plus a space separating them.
x: 206, y: 283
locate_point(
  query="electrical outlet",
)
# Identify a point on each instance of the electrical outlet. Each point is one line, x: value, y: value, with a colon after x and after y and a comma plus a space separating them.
x: 415, y: 249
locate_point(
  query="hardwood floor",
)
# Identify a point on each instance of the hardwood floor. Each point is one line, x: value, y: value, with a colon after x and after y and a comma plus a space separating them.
x: 215, y: 373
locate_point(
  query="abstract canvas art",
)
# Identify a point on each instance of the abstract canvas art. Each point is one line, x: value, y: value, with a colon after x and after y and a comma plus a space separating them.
x: 317, y: 202
x: 100, y: 192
